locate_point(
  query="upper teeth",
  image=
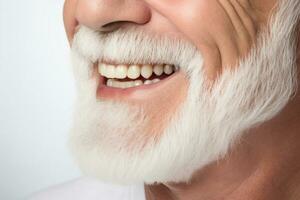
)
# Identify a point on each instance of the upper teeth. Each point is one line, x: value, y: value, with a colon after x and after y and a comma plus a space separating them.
x: 133, y: 71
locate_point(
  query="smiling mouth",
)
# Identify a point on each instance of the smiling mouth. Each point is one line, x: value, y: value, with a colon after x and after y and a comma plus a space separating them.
x: 128, y: 76
x: 121, y: 80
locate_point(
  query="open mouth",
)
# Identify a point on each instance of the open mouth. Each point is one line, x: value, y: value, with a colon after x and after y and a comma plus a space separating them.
x: 128, y: 76
x: 131, y: 82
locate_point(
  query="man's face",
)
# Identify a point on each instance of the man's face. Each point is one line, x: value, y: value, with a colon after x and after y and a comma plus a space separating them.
x: 165, y: 87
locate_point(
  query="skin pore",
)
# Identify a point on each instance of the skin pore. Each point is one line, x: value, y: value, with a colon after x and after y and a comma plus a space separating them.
x: 262, y: 165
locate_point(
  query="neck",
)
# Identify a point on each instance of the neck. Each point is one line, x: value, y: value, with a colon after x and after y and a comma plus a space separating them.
x: 263, y: 165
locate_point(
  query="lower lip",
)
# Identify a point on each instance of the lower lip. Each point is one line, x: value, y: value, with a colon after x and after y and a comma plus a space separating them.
x: 105, y: 92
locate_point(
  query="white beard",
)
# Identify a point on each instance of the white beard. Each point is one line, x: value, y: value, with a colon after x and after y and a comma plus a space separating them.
x: 207, y: 123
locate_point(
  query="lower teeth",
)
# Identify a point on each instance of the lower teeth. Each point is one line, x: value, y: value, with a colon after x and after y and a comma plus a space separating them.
x: 128, y: 84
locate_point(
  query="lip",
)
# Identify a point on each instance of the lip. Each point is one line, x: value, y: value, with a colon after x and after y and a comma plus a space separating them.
x: 132, y: 93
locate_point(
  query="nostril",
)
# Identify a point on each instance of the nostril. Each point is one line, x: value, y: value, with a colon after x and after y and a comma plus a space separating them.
x: 113, y: 26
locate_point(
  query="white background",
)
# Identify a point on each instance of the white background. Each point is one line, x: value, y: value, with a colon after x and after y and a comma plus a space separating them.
x: 36, y: 97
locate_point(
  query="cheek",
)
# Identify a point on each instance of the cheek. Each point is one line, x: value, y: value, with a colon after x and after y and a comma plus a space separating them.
x: 199, y: 20
x: 204, y: 23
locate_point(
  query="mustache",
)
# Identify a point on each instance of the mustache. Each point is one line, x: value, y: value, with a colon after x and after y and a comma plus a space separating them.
x: 132, y: 46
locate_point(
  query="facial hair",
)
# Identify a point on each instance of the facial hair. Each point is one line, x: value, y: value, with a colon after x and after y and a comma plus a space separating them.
x: 203, y: 128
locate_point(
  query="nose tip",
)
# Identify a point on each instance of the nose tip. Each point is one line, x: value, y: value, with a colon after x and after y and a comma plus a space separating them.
x: 109, y: 15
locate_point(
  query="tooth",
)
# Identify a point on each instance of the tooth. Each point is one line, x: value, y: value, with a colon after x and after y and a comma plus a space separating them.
x: 147, y: 82
x: 134, y: 71
x: 146, y: 71
x: 110, y: 71
x: 168, y: 69
x: 155, y: 80
x: 115, y: 84
x: 103, y: 69
x: 109, y: 82
x: 176, y: 68
x: 122, y: 84
x: 158, y: 70
x: 138, y: 83
x: 99, y: 67
x: 121, y: 71
x: 129, y: 84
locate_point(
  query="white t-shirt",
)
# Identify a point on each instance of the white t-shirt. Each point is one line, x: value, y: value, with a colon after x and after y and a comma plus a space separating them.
x: 90, y: 189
